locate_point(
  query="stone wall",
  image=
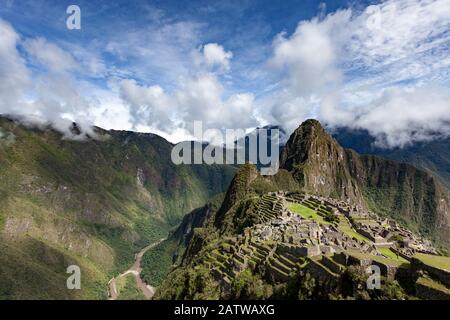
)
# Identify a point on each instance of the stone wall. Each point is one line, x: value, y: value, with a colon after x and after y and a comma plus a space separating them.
x: 438, y: 274
x: 299, y: 251
x: 429, y: 293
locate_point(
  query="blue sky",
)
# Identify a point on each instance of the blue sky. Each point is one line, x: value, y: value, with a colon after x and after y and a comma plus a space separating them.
x: 246, y: 28
x: 160, y: 65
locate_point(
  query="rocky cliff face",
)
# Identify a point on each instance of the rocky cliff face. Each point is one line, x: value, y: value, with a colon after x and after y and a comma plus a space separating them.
x: 246, y: 247
x: 319, y: 164
x: 314, y: 162
x: 323, y: 167
x: 433, y: 156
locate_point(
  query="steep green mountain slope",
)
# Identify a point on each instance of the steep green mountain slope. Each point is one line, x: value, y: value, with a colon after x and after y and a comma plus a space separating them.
x: 158, y: 261
x: 408, y: 194
x: 92, y: 203
x: 433, y: 156
x: 199, y: 226
x: 224, y: 258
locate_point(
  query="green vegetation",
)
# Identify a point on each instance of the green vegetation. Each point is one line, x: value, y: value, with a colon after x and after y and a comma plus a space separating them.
x: 388, y: 261
x: 249, y: 286
x: 425, y: 281
x: 397, y: 238
x: 387, y: 200
x: 2, y: 220
x: 356, y: 235
x: 348, y: 230
x: 439, y: 262
x: 354, y: 286
x: 157, y: 262
x: 306, y: 212
x: 388, y: 253
x: 191, y: 284
x: 93, y: 203
x: 127, y: 288
x: 40, y: 273
x: 262, y: 186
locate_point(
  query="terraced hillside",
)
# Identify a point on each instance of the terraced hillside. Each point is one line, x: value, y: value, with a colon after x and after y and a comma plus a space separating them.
x: 269, y: 207
x: 409, y: 195
x: 311, y: 230
x: 296, y: 239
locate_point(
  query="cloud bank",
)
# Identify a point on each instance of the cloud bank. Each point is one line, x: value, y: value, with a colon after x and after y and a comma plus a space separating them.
x: 384, y: 68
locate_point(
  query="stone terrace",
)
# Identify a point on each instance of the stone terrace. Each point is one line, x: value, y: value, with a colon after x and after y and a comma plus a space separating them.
x: 283, y: 242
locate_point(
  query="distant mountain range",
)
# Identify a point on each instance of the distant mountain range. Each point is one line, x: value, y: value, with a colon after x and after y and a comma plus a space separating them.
x: 433, y: 156
x: 95, y: 202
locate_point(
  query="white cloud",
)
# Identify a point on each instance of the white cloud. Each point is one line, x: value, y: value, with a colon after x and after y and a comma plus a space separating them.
x: 309, y: 57
x: 149, y: 105
x: 14, y: 76
x: 110, y: 112
x: 309, y: 64
x: 200, y: 98
x: 401, y: 29
x: 59, y: 95
x: 49, y: 98
x: 384, y: 69
x: 50, y: 55
x: 401, y: 116
x: 213, y: 56
x: 199, y: 95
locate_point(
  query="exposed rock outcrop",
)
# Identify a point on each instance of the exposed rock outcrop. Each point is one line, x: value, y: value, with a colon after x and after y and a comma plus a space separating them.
x: 323, y: 167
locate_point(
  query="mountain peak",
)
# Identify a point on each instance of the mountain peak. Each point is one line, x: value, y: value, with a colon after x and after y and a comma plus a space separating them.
x: 304, y: 142
x: 322, y: 166
x: 317, y: 162
x: 311, y: 123
x: 310, y: 129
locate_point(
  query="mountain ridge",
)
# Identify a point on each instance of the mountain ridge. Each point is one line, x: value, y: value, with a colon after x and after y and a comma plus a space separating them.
x: 92, y: 203
x: 325, y: 168
x: 432, y: 156
x: 95, y: 202
x: 309, y: 154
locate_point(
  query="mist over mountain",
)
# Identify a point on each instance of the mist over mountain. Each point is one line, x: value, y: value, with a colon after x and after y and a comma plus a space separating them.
x: 224, y: 150
x: 94, y: 202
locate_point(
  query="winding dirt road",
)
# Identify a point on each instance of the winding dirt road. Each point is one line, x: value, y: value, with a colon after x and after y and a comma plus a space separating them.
x: 135, y: 269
